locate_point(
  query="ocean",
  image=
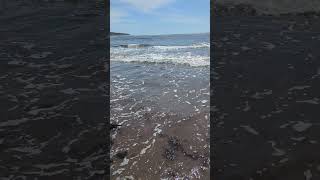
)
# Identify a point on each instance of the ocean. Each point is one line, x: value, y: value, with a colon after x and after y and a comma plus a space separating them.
x: 191, y: 49
x: 160, y: 97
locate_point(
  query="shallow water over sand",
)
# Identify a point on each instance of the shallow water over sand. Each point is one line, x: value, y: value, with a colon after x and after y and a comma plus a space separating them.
x: 164, y: 113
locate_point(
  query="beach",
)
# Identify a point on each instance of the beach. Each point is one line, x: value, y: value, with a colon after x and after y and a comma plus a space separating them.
x: 160, y: 97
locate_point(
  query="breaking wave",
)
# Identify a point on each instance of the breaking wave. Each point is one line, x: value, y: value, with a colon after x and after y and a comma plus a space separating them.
x: 193, y: 55
x: 199, y: 45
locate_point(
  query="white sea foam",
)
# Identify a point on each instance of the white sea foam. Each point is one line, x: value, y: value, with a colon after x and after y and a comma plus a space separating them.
x: 163, y: 47
x: 194, y: 55
x: 198, y: 45
x: 178, y: 58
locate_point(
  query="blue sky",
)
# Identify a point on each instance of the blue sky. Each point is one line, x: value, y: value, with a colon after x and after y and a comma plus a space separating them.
x: 150, y: 17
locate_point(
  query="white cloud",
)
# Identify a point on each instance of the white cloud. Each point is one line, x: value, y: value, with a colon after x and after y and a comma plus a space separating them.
x: 147, y: 5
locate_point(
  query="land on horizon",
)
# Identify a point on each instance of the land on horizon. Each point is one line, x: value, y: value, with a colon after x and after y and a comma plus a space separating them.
x: 117, y: 33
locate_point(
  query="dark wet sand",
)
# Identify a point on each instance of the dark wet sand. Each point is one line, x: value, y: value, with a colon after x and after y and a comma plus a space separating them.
x: 53, y: 92
x: 172, y: 147
x: 163, y: 110
x: 265, y: 99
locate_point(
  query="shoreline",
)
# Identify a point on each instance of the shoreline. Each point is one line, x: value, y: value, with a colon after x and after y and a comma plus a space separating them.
x: 164, y: 121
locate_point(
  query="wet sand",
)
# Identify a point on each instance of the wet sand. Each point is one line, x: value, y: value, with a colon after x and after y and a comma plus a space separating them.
x: 53, y: 93
x: 265, y: 100
x: 163, y: 110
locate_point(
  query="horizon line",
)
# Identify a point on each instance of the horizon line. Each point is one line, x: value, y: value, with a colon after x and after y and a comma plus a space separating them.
x: 165, y: 34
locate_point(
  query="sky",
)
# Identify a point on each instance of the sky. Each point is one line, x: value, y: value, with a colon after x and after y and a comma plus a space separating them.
x: 153, y: 17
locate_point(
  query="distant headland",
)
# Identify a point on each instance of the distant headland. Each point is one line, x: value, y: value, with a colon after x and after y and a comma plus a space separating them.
x: 116, y: 34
